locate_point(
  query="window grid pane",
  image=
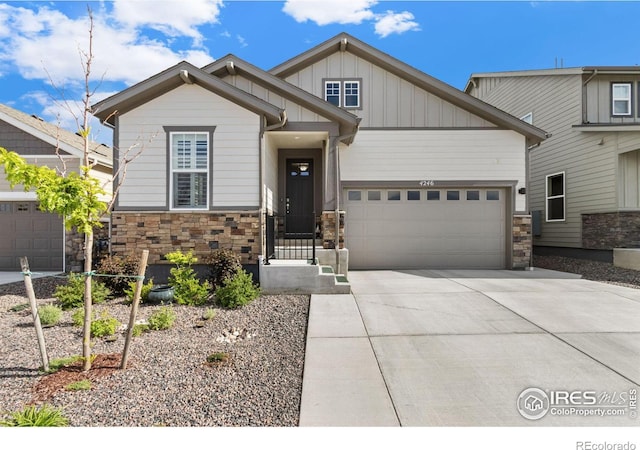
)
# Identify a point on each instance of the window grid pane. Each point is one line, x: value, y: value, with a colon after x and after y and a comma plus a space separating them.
x: 352, y: 93
x: 413, y: 195
x: 433, y: 195
x: 190, y: 164
x: 621, y: 97
x: 332, y: 93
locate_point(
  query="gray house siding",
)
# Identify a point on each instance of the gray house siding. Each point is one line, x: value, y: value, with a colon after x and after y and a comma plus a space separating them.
x: 600, y: 167
x: 385, y: 96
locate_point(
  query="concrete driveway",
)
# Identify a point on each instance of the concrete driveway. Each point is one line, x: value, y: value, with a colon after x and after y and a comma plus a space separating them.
x: 458, y: 348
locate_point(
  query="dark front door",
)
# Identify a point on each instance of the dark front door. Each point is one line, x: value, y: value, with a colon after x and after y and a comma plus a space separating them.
x: 300, y: 221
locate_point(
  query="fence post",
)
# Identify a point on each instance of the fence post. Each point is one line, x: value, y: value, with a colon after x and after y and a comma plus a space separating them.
x: 24, y: 263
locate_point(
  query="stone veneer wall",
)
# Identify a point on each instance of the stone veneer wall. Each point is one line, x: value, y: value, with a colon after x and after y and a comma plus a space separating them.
x: 74, y: 247
x: 606, y: 231
x: 164, y: 232
x: 522, y: 242
x: 328, y: 220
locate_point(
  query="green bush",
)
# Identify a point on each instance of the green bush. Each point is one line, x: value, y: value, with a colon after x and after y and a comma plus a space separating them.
x: 222, y: 264
x: 32, y: 416
x: 49, y: 314
x: 188, y: 290
x: 106, y: 325
x: 238, y: 290
x: 71, y: 294
x: 144, y: 294
x: 118, y: 265
x: 209, y: 314
x: 162, y: 319
x: 139, y: 328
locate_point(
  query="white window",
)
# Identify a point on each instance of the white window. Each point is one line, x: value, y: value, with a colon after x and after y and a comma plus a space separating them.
x: 352, y: 94
x: 621, y: 99
x: 332, y: 92
x: 555, y: 193
x: 342, y: 93
x: 189, y: 170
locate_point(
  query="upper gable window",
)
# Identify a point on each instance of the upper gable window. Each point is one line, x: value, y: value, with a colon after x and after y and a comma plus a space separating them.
x: 343, y: 93
x: 527, y: 118
x: 621, y: 99
x: 332, y: 92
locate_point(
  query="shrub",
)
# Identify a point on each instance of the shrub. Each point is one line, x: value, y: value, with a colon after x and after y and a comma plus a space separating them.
x: 32, y: 416
x: 71, y: 295
x: 118, y: 265
x: 106, y: 325
x: 238, y: 290
x: 82, y: 385
x: 49, y: 314
x: 144, y: 294
x: 162, y: 319
x: 222, y: 264
x: 188, y: 289
x: 209, y: 314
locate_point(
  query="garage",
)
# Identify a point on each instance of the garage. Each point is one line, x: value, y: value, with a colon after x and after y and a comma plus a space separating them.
x: 444, y: 228
x: 27, y: 231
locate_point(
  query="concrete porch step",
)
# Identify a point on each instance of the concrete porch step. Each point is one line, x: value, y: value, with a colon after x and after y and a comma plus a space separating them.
x: 301, y: 277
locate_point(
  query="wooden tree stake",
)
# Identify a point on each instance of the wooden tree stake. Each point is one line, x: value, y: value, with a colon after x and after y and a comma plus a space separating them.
x: 142, y: 268
x: 24, y: 263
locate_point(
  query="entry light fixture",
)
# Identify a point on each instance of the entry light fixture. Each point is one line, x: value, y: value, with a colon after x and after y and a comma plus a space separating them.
x: 303, y: 167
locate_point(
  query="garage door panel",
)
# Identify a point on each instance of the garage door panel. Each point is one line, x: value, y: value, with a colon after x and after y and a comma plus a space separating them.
x: 426, y: 233
x: 32, y: 233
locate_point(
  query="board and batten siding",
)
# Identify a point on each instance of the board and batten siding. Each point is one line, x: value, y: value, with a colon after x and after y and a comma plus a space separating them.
x: 295, y: 112
x: 598, y: 105
x: 235, y: 148
x: 590, y: 169
x: 387, y: 100
x: 439, y: 155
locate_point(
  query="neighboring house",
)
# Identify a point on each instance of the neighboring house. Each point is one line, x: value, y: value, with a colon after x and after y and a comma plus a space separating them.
x: 418, y: 173
x: 27, y: 231
x: 584, y: 179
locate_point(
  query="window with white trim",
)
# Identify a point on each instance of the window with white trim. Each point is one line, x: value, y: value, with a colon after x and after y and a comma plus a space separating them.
x: 621, y: 99
x: 555, y: 194
x: 189, y: 170
x: 332, y: 92
x: 343, y: 94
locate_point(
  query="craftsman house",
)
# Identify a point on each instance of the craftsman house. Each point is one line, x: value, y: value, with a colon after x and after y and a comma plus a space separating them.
x: 385, y: 165
x: 27, y: 231
x: 585, y: 188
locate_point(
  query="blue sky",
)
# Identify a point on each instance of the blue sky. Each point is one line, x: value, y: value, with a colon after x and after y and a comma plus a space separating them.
x: 449, y: 40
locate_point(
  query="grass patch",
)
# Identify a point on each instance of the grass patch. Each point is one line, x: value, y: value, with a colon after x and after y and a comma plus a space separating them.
x: 82, y: 385
x: 32, y: 416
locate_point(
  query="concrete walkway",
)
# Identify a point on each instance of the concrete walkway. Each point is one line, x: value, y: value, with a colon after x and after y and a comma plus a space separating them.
x: 457, y: 348
x: 12, y: 277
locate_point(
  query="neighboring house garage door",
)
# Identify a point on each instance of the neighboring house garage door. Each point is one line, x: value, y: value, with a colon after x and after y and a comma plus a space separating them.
x: 26, y: 231
x: 427, y: 228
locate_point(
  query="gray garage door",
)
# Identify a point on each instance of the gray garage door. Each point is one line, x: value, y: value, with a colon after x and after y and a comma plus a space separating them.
x: 26, y: 231
x: 428, y: 228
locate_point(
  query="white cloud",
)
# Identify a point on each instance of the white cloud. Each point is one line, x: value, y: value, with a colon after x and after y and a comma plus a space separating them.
x: 45, y: 44
x: 392, y: 22
x: 242, y: 41
x: 171, y: 17
x: 325, y: 12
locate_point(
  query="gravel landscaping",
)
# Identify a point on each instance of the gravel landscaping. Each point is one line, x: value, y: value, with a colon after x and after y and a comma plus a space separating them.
x: 590, y: 270
x: 168, y: 381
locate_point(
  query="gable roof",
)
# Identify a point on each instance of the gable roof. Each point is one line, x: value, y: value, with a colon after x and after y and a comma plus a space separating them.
x: 181, y: 73
x: 346, y: 42
x: 595, y: 70
x: 231, y: 65
x: 52, y: 134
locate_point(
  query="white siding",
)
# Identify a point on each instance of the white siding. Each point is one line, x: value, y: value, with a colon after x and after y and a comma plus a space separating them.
x: 235, y: 147
x: 440, y: 155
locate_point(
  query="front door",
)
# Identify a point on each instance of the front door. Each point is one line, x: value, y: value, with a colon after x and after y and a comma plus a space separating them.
x: 300, y: 220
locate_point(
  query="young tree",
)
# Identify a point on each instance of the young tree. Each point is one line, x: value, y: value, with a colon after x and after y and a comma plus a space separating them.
x: 74, y: 196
